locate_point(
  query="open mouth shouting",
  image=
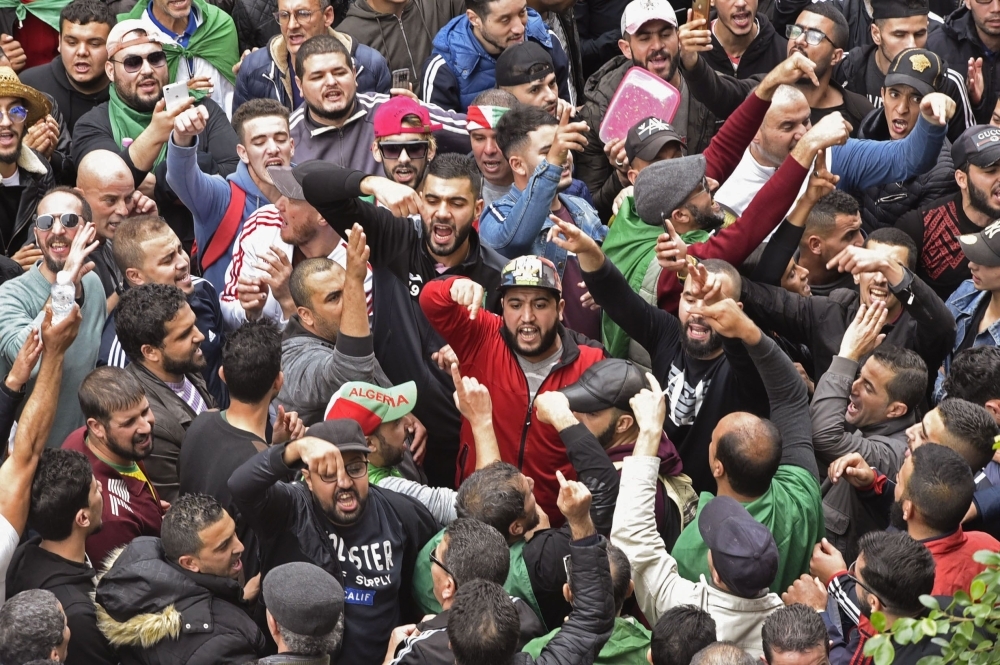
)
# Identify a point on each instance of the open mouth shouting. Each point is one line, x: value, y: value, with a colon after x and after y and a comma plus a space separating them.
x: 491, y: 165
x: 742, y: 21
x: 878, y: 294
x: 899, y: 127
x: 698, y: 332
x: 405, y: 175
x: 528, y: 335
x: 442, y: 234
x: 347, y: 501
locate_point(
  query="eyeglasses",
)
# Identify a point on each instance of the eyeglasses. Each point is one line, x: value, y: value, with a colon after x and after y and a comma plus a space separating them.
x: 68, y: 220
x: 415, y: 149
x: 853, y: 574
x: 301, y: 16
x: 133, y: 63
x: 435, y: 560
x: 354, y: 470
x: 813, y: 36
x: 17, y: 114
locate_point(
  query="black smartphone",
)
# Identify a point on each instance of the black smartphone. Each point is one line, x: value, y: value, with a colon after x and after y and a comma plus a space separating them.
x: 401, y: 78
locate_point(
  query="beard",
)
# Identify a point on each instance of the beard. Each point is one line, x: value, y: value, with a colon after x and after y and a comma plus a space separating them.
x: 332, y: 116
x: 980, y: 200
x: 530, y: 521
x: 707, y: 221
x: 11, y: 156
x: 548, y: 340
x: 896, y: 516
x: 137, y: 103
x: 391, y: 456
x: 458, y: 238
x: 128, y: 451
x: 187, y: 366
x: 700, y: 350
x: 671, y: 66
x: 607, y: 436
x: 335, y: 515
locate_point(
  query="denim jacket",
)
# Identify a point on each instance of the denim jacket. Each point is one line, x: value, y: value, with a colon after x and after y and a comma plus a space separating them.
x: 963, y: 304
x: 518, y: 222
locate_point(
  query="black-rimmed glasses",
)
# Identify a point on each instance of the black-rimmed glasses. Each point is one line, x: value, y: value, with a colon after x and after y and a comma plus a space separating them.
x: 435, y: 560
x: 354, y: 470
x: 133, y: 63
x: 853, y: 574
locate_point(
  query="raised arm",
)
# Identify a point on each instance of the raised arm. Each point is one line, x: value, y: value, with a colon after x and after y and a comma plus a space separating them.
x: 865, y: 163
x: 786, y: 391
x: 454, y: 308
x: 475, y: 404
x: 36, y: 419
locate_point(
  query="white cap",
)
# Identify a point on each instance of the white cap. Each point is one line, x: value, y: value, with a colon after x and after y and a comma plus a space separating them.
x: 639, y: 12
x: 125, y: 29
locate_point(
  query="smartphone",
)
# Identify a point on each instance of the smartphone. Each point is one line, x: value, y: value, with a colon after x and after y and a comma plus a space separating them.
x: 401, y: 78
x: 700, y: 9
x: 663, y: 223
x: 174, y: 94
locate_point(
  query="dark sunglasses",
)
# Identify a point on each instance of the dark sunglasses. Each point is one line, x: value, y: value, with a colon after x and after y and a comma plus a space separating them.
x: 435, y: 560
x: 68, y: 220
x: 415, y: 149
x: 133, y: 63
x: 813, y: 36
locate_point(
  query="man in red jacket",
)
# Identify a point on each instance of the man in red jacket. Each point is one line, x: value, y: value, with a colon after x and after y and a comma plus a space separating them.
x: 518, y: 355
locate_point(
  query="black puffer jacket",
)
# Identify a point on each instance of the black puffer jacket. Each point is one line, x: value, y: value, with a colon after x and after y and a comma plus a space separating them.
x: 592, y: 166
x: 181, y: 617
x: 764, y: 53
x: 883, y: 206
x: 956, y: 42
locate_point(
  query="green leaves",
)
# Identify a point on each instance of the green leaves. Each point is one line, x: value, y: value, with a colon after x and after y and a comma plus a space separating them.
x: 880, y: 648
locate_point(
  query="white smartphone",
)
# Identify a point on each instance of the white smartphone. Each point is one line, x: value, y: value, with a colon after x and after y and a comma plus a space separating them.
x: 174, y: 94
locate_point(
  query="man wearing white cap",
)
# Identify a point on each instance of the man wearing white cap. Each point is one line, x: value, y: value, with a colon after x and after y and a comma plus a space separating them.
x: 136, y: 124
x: 649, y: 40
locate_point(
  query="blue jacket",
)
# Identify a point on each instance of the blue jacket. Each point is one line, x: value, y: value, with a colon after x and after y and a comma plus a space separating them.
x: 460, y: 68
x: 963, y: 304
x: 264, y: 73
x: 207, y: 197
x: 862, y: 163
x: 518, y: 222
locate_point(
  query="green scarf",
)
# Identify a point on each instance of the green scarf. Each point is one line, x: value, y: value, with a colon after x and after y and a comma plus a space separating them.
x: 630, y: 245
x: 127, y: 123
x: 696, y: 236
x: 46, y: 11
x: 215, y: 39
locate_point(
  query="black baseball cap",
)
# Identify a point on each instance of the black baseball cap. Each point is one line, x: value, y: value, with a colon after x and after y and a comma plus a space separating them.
x: 918, y: 68
x: 899, y: 9
x: 345, y: 433
x: 523, y: 63
x: 646, y: 137
x: 744, y: 553
x: 979, y: 146
x: 609, y: 383
x: 983, y: 247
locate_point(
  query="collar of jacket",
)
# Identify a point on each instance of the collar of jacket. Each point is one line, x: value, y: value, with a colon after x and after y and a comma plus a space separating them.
x: 890, y: 428
x: 195, y: 379
x: 278, y: 49
x: 316, y: 129
x: 30, y: 162
x: 294, y: 328
x: 960, y: 25
x: 294, y: 659
x: 874, y: 126
x: 601, y: 85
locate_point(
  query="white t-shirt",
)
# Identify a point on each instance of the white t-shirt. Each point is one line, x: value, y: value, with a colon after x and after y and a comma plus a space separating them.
x: 8, y: 543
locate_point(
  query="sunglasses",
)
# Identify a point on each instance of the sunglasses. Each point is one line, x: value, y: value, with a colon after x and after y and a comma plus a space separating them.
x: 813, y: 36
x: 133, y: 63
x: 17, y: 114
x: 68, y: 220
x: 435, y: 560
x: 415, y: 149
x: 354, y: 470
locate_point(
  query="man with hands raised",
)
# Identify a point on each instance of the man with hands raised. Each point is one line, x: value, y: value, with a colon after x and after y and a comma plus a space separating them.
x: 916, y: 318
x: 367, y: 536
x: 705, y: 377
x: 66, y: 237
x: 742, y: 557
x: 767, y: 465
x: 867, y: 415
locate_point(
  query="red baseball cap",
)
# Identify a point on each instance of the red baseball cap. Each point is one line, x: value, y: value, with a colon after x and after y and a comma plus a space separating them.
x: 389, y: 118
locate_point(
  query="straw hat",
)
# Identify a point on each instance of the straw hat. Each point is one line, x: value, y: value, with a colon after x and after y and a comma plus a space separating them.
x: 36, y: 103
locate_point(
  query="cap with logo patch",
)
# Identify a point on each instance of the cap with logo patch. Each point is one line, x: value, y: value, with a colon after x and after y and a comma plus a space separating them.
x: 979, y: 146
x: 531, y: 271
x: 639, y: 12
x: 648, y: 136
x: 370, y: 405
x: 918, y: 68
x: 983, y: 247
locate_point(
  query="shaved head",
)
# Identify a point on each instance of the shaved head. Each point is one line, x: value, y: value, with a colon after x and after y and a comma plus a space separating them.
x: 106, y: 181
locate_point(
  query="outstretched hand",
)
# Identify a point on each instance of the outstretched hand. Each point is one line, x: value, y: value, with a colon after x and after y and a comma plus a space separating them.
x: 468, y: 294
x: 865, y: 331
x: 571, y: 238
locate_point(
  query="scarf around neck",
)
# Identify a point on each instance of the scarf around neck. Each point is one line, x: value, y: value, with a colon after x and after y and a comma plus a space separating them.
x: 215, y: 39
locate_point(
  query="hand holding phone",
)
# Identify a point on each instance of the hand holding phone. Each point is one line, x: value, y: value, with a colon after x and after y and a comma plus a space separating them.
x: 401, y: 78
x: 700, y: 9
x: 174, y: 94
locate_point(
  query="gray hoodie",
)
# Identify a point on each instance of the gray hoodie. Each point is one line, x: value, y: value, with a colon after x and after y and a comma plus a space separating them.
x: 315, y: 368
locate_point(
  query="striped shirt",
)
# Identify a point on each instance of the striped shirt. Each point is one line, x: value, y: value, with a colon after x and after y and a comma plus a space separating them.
x: 187, y: 392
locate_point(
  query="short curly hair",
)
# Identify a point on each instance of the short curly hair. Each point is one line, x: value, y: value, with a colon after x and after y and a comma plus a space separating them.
x: 142, y: 315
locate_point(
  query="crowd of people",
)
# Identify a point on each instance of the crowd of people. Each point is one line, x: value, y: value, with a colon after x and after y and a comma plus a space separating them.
x: 380, y: 354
